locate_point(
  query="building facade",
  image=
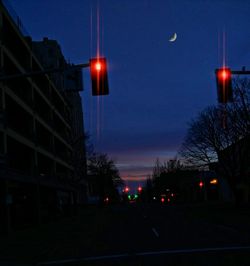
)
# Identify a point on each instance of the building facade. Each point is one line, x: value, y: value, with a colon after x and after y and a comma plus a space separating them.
x: 39, y: 177
x: 69, y: 83
x: 234, y: 166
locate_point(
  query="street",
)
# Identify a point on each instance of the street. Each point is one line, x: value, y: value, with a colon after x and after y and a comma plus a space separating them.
x: 137, y: 234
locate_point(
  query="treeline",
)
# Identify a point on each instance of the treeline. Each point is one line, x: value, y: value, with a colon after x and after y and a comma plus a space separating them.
x: 218, y: 139
x: 104, y: 178
x: 168, y: 181
x: 219, y: 136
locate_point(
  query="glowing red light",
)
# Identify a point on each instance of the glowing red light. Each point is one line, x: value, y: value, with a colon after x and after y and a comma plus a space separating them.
x: 98, y: 66
x: 224, y: 74
x: 168, y: 199
x: 162, y: 200
x: 126, y: 189
x: 139, y: 189
x: 201, y: 184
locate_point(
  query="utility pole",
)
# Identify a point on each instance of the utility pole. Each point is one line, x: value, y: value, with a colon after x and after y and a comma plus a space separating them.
x: 98, y: 70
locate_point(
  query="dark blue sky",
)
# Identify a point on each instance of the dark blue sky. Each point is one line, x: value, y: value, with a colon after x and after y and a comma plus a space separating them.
x: 156, y: 87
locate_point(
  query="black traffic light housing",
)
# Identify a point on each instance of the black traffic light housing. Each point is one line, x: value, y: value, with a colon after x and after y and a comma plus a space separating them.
x: 99, y: 76
x: 224, y: 85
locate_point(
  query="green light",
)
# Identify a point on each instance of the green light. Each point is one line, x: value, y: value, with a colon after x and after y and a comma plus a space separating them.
x: 129, y: 197
x: 135, y: 196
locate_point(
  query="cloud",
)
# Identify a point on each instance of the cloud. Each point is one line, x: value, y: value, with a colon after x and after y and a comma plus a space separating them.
x: 134, y: 179
x: 135, y: 152
x: 141, y: 164
x: 135, y: 171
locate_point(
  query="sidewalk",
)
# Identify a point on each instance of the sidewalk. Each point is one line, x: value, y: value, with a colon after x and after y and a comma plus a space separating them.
x: 70, y: 237
x: 223, y: 214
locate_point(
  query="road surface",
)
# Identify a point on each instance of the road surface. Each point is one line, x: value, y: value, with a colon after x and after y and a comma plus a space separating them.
x: 137, y: 234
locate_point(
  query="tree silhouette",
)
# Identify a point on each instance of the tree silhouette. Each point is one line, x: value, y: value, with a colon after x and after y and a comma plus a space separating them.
x: 106, y: 175
x: 221, y: 133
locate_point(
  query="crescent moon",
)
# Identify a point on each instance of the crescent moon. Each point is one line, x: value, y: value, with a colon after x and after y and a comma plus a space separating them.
x: 173, y: 38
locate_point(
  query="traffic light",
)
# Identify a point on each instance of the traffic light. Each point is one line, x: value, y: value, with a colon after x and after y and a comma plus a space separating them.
x: 224, y: 85
x: 99, y: 76
x: 201, y: 184
x: 139, y: 189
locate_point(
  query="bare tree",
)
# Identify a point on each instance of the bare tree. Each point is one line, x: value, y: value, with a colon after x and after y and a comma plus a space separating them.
x: 171, y: 165
x: 205, y: 138
x: 157, y: 169
x: 174, y: 165
x: 106, y: 173
x: 221, y: 133
x: 169, y: 178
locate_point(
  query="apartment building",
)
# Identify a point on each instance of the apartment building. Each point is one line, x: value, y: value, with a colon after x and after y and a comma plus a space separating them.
x: 40, y: 127
x: 69, y: 83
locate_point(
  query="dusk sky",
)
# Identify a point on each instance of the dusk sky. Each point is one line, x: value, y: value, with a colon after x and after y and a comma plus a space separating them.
x: 156, y: 86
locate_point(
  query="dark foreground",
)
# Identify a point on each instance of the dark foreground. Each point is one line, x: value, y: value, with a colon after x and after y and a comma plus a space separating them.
x: 136, y: 234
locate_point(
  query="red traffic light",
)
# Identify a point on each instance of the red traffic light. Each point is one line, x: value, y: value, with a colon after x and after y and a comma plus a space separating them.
x: 99, y: 76
x: 224, y: 74
x: 139, y: 189
x: 98, y: 66
x: 201, y: 184
x: 224, y: 84
x: 126, y: 189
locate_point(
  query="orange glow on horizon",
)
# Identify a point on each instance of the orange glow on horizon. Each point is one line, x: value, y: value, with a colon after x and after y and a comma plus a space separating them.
x: 134, y: 178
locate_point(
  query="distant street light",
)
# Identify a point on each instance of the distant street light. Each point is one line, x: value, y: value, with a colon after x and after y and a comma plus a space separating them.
x: 214, y: 181
x: 139, y: 189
